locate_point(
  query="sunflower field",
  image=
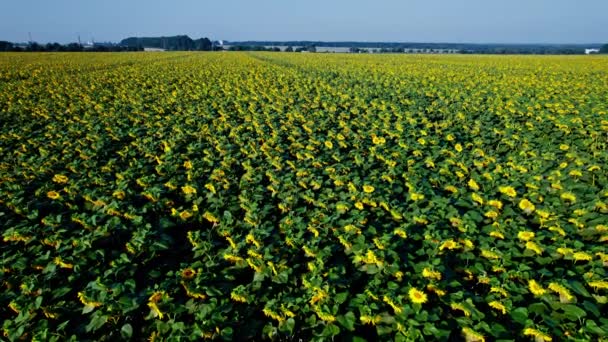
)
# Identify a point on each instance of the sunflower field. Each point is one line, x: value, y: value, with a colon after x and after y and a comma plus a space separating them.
x: 251, y: 196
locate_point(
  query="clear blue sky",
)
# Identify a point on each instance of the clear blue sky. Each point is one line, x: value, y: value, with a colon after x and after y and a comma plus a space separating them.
x: 476, y: 21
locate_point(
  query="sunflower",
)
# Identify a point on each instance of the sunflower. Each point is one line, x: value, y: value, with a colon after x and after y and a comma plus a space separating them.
x: 119, y: 194
x: 535, y: 288
x: 417, y: 296
x: 460, y: 307
x: 473, y: 185
x: 582, y: 256
x: 597, y: 285
x: 491, y: 214
x: 378, y: 140
x: 53, y: 195
x: 525, y: 235
x: 416, y: 197
x: 430, y: 274
x: 184, y: 215
x: 61, y: 179
x: 369, y: 320
x: 238, y: 298
x: 526, y: 206
x: 188, y: 273
x: 531, y: 245
x: 568, y: 196
x: 210, y: 187
x: 497, y: 234
x: 188, y: 190
x: 564, y: 294
x: 476, y: 198
x: 368, y: 189
x: 538, y: 335
x: 472, y: 336
x: 451, y: 189
x: 495, y: 203
x: 449, y: 244
x: 508, y: 190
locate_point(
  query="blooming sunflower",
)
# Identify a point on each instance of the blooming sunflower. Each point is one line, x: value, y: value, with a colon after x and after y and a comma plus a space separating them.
x: 568, y: 196
x: 526, y: 206
x: 417, y: 296
x: 431, y: 274
x: 53, y: 195
x: 473, y: 185
x: 525, y: 235
x: 538, y: 335
x: 188, y: 273
x: 508, y: 190
x: 61, y: 179
x: 368, y: 189
x: 498, y: 306
x: 535, y: 288
x: 184, y: 215
x: 472, y: 336
x: 188, y: 190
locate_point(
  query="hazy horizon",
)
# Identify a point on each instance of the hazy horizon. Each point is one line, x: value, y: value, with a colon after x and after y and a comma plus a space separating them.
x: 433, y: 21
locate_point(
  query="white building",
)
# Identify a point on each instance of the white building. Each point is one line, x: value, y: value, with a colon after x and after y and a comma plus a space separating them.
x: 590, y: 51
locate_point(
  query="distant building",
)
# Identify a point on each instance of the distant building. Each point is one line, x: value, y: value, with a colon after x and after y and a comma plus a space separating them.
x: 149, y: 49
x: 590, y: 51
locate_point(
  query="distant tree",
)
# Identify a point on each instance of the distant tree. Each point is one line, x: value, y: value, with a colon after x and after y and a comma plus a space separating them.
x: 604, y: 49
x: 6, y: 46
x: 53, y: 47
x: 276, y: 49
x: 34, y: 47
x: 203, y: 44
x: 74, y: 47
x: 289, y: 49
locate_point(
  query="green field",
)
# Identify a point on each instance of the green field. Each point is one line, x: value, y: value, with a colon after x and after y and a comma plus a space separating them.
x: 236, y: 196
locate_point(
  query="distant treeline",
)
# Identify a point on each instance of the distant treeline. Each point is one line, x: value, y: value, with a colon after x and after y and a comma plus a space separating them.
x: 460, y: 47
x: 56, y: 47
x: 185, y: 43
x: 311, y: 48
x: 173, y: 43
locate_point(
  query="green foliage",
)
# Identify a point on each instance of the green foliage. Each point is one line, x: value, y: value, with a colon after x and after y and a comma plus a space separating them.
x: 249, y: 196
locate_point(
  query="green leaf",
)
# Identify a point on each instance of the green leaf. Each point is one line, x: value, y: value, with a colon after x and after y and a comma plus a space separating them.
x: 573, y: 312
x: 341, y: 297
x: 591, y: 326
x: 126, y: 331
x: 290, y: 323
x: 97, y: 321
x: 330, y: 330
x: 520, y: 315
x: 537, y: 308
x: 384, y: 329
x: 227, y: 333
x: 430, y: 330
x: 347, y: 321
x: 592, y: 308
x: 580, y: 289
x: 87, y: 309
